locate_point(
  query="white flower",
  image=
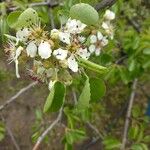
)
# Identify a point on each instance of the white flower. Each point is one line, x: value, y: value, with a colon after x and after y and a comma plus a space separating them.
x: 83, y: 53
x: 97, y: 51
x: 72, y: 63
x: 60, y: 54
x: 92, y: 48
x: 93, y: 39
x: 23, y: 34
x: 64, y: 37
x: 108, y: 28
x: 31, y: 49
x: 109, y: 15
x: 44, y: 50
x: 75, y: 26
x: 17, y: 54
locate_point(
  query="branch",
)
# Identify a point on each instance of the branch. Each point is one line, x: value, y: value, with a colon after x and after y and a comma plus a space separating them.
x: 11, y: 135
x: 41, y: 138
x: 128, y: 115
x: 104, y: 3
x: 17, y: 95
x: 51, y: 5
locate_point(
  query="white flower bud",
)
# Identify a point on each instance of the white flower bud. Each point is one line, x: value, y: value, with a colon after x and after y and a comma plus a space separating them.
x: 60, y: 54
x: 109, y: 15
x: 44, y: 50
x: 31, y: 49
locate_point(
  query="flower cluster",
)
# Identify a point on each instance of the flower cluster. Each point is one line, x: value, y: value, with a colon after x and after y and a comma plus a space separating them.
x: 58, y: 50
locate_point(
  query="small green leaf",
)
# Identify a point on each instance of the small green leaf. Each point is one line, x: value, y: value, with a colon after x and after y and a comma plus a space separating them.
x: 13, y: 18
x: 98, y: 89
x: 55, y: 98
x: 85, y: 13
x: 111, y: 143
x: 92, y: 66
x: 74, y: 135
x: 133, y: 132
x: 146, y: 51
x: 85, y: 96
x: 140, y: 146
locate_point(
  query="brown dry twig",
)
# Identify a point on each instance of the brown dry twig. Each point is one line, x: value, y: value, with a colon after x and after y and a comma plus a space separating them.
x: 12, y: 99
x: 44, y: 134
x: 128, y: 115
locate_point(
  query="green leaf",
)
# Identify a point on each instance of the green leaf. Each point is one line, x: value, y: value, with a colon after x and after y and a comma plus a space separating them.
x: 13, y: 18
x: 92, y: 66
x: 74, y: 135
x: 140, y: 146
x: 85, y: 13
x: 146, y: 139
x: 133, y: 132
x: 26, y: 18
x: 111, y: 143
x: 56, y: 98
x: 85, y: 96
x: 132, y: 65
x: 146, y: 51
x: 98, y: 89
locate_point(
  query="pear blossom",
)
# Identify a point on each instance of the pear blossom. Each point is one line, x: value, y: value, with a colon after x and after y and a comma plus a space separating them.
x: 83, y: 53
x: 109, y: 15
x: 60, y: 54
x: 44, y: 50
x: 22, y: 34
x: 95, y: 38
x: 72, y: 63
x: 65, y: 37
x: 104, y: 41
x: 31, y: 49
x: 75, y: 26
x: 17, y: 54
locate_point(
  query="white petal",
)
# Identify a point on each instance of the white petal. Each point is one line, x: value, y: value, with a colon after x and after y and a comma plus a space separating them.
x: 72, y: 64
x: 109, y: 15
x: 18, y: 52
x: 23, y: 34
x: 104, y: 41
x: 97, y: 51
x: 60, y: 54
x: 99, y: 35
x: 93, y: 39
x: 44, y: 50
x: 75, y: 26
x: 31, y: 49
x: 51, y: 84
x: 64, y: 37
x: 81, y: 39
x: 54, y: 33
x: 83, y: 53
x: 92, y: 48
x: 105, y: 25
